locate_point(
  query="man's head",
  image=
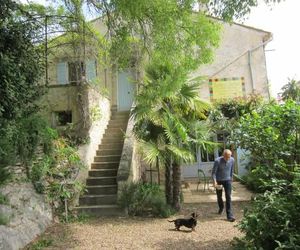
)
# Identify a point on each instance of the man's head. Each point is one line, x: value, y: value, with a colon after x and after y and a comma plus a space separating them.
x: 227, y: 154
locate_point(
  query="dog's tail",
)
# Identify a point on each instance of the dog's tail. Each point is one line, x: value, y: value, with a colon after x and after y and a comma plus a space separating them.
x: 171, y: 220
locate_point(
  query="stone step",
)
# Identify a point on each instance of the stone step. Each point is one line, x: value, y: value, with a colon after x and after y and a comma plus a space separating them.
x: 119, y: 125
x: 119, y: 118
x: 105, y: 165
x: 119, y: 115
x: 107, y: 158
x: 102, y: 189
x: 96, y: 181
x: 127, y: 113
x: 120, y: 112
x: 112, y: 140
x: 116, y: 145
x: 113, y: 130
x: 112, y: 135
x: 112, y: 151
x: 102, y: 210
x: 98, y: 200
x: 103, y: 172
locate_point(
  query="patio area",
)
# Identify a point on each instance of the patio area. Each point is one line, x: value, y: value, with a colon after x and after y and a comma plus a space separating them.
x: 192, y: 195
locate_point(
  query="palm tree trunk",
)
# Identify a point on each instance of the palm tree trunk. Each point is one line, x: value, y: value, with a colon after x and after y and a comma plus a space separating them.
x: 176, y: 186
x: 168, y: 183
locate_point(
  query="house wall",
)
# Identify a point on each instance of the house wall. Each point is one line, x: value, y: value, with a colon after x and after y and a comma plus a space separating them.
x: 232, y: 59
x: 60, y: 98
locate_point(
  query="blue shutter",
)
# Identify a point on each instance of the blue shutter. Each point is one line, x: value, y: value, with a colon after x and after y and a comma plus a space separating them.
x: 91, y: 70
x: 62, y: 76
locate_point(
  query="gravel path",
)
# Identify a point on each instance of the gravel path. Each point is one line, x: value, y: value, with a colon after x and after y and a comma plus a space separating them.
x: 212, y: 231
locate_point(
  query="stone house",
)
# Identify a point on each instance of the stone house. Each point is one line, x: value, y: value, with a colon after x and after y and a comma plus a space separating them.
x: 239, y: 69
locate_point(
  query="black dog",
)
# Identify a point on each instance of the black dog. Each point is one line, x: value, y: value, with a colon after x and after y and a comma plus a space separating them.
x: 190, y: 223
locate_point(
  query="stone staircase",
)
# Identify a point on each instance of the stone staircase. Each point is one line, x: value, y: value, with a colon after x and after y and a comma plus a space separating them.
x: 101, y: 196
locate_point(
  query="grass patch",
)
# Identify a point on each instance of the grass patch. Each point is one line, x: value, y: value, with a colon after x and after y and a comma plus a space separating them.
x: 3, y: 199
x: 76, y: 218
x: 4, y: 219
x: 41, y: 244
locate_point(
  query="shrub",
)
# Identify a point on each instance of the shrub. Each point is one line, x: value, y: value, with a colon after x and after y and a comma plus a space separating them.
x: 273, y: 222
x: 142, y: 199
x: 19, y: 140
x: 39, y: 172
x: 3, y: 199
x: 261, y: 177
x: 3, y: 219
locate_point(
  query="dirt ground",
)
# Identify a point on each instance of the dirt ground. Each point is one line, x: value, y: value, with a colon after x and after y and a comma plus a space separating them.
x: 212, y: 231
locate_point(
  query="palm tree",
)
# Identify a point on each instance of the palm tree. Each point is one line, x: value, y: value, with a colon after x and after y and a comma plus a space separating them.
x: 291, y: 90
x: 169, y: 124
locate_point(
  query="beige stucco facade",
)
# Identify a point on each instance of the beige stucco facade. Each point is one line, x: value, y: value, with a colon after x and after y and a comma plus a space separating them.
x: 240, y: 54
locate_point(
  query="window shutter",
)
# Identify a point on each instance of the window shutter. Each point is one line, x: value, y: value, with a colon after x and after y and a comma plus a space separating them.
x: 62, y: 76
x: 91, y: 70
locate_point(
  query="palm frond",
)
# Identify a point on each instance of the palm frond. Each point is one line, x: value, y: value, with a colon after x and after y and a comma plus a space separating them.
x: 181, y: 153
x: 149, y: 151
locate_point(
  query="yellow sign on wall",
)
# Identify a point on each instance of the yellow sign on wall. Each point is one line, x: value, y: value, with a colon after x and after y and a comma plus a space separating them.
x: 226, y: 88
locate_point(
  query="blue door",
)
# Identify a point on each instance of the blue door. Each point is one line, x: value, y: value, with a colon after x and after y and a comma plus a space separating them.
x: 125, y: 91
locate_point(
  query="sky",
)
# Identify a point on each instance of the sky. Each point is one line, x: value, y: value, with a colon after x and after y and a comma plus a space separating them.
x: 283, y: 52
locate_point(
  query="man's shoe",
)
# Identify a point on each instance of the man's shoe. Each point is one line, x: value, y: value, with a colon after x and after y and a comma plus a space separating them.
x: 220, y: 211
x: 231, y: 219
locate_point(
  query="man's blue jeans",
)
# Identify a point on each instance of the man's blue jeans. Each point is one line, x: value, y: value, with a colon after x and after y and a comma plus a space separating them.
x: 228, y: 188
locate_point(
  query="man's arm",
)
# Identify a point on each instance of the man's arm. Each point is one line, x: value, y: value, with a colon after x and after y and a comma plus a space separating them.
x: 231, y: 170
x: 214, y: 172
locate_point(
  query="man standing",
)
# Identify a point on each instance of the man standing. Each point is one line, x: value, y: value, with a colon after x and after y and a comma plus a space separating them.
x: 222, y: 175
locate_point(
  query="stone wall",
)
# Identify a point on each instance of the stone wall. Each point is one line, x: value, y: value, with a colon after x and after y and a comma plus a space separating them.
x: 28, y: 212
x: 130, y: 166
x: 96, y: 131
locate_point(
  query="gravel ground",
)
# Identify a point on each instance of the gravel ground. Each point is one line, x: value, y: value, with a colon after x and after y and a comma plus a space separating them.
x: 212, y: 231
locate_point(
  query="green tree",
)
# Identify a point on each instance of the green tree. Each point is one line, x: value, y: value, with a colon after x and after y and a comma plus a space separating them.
x: 168, y: 125
x: 21, y: 63
x: 21, y: 66
x: 271, y: 133
x: 291, y: 91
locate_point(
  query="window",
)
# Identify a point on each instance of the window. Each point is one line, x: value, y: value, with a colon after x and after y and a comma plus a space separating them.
x: 62, y: 118
x: 221, y: 139
x: 75, y: 71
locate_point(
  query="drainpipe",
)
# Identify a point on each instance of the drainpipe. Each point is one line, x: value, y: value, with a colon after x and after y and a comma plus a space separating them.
x: 251, y: 71
x: 250, y: 63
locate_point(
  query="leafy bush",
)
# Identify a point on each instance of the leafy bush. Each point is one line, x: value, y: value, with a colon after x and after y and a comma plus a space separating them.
x: 273, y: 222
x: 261, y: 178
x: 3, y: 219
x: 19, y: 140
x: 39, y: 172
x: 56, y: 172
x: 142, y: 199
x: 271, y: 134
x: 3, y: 199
